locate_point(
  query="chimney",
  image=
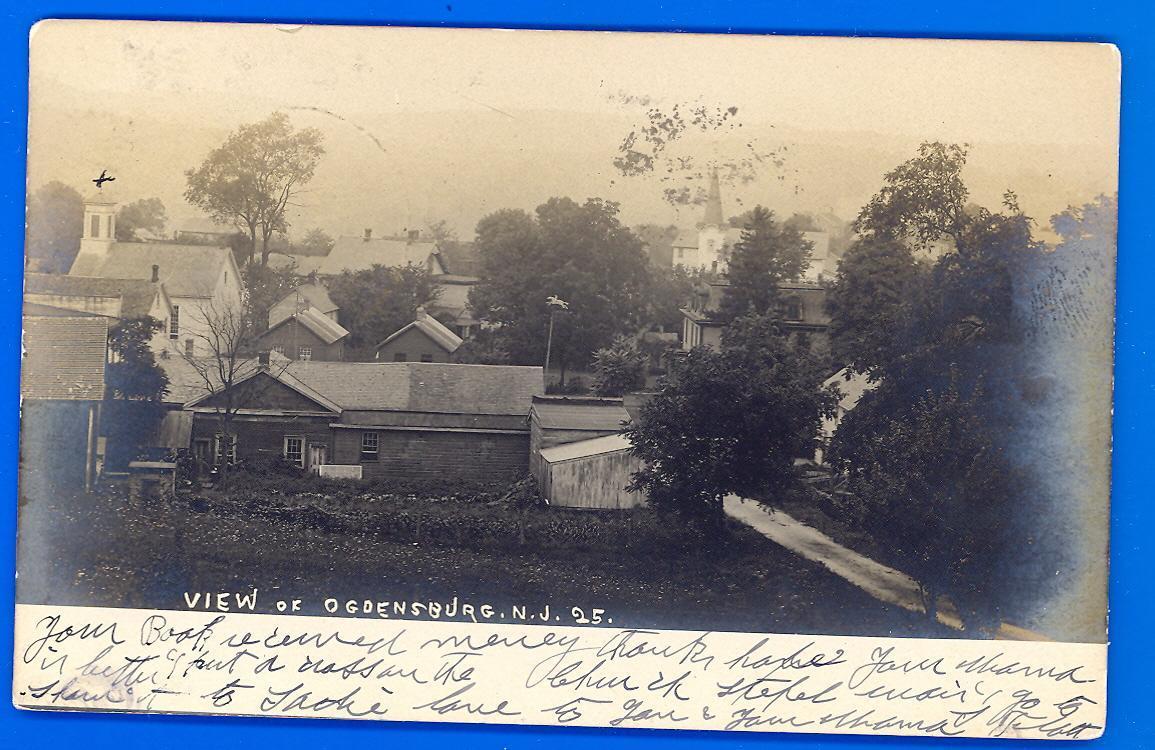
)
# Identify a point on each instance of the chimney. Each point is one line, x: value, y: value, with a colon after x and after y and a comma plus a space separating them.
x: 368, y: 235
x: 421, y: 314
x: 414, y: 235
x: 155, y: 273
x: 263, y: 360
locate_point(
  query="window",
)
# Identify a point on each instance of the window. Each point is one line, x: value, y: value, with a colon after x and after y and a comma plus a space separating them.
x: 189, y: 347
x: 279, y: 349
x: 108, y: 227
x: 174, y: 323
x: 305, y: 353
x: 426, y: 357
x: 93, y: 227
x: 369, y: 446
x: 791, y: 309
x: 295, y: 450
x: 225, y: 448
x: 400, y: 357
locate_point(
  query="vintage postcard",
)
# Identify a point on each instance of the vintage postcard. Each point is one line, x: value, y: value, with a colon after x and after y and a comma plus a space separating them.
x: 674, y: 381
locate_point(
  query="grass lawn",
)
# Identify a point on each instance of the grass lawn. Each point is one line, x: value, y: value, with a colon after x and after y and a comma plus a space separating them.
x: 106, y: 550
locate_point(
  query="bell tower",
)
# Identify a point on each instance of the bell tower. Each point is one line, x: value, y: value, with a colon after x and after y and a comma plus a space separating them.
x: 712, y: 233
x: 97, y: 236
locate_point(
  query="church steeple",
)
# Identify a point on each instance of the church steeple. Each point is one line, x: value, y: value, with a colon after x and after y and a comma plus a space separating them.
x: 713, y: 216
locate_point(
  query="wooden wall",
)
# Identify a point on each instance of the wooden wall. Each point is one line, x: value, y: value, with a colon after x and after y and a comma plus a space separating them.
x: 593, y: 482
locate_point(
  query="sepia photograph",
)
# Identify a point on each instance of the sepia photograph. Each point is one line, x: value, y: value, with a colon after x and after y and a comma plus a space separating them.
x: 719, y: 334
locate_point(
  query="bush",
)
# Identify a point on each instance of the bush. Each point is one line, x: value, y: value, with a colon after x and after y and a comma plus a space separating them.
x: 499, y: 519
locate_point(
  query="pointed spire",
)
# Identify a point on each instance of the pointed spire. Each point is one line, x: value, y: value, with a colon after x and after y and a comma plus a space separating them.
x: 713, y: 202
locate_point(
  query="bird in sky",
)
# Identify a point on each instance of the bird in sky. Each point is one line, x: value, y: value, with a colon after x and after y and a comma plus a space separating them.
x: 103, y: 178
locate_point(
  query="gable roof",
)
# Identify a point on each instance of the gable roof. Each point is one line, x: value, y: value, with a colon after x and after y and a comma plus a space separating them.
x: 315, y: 294
x: 359, y: 254
x: 431, y: 328
x: 422, y: 386
x: 64, y: 357
x: 459, y: 258
x: 564, y: 413
x: 185, y: 270
x: 324, y: 328
x: 136, y: 297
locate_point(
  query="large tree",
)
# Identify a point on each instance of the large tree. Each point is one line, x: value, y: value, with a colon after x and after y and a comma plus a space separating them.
x: 932, y: 453
x: 144, y: 215
x: 579, y: 252
x: 768, y: 254
x: 136, y: 387
x: 868, y: 301
x: 249, y: 181
x: 378, y: 301
x: 730, y: 421
x: 55, y: 225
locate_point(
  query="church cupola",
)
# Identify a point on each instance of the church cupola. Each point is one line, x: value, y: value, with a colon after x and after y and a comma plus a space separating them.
x: 97, y: 235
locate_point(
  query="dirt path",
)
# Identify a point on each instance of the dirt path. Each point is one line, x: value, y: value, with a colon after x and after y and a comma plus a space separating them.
x: 883, y: 583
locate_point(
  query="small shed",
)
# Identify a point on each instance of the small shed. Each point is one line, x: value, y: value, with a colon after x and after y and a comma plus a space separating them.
x: 556, y: 420
x: 590, y: 474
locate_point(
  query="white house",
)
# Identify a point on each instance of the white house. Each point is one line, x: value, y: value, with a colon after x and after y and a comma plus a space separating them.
x: 203, y: 283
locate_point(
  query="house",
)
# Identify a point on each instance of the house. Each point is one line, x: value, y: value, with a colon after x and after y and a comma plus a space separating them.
x: 853, y: 387
x: 351, y: 253
x: 424, y: 340
x: 62, y: 385
x: 709, y: 246
x: 557, y: 420
x: 306, y: 296
x: 451, y: 306
x: 203, y: 283
x: 116, y: 298
x: 306, y: 335
x: 590, y: 474
x: 406, y: 421
x: 802, y: 311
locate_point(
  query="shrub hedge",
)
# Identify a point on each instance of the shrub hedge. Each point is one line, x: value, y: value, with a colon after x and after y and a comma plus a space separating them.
x: 478, y: 517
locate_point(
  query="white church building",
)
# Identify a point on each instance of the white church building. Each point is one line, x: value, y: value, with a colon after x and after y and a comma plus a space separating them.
x: 708, y: 247
x: 202, y: 282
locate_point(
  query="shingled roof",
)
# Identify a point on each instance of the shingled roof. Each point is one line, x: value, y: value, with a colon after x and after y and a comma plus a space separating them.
x: 316, y: 295
x: 459, y: 258
x: 433, y: 329
x: 423, y: 386
x: 131, y: 298
x: 185, y: 270
x: 64, y: 357
x: 324, y: 328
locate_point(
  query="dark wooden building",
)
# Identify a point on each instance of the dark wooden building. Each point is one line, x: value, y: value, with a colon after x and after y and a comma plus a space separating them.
x: 410, y: 421
x: 62, y: 386
x: 306, y: 335
x: 424, y: 340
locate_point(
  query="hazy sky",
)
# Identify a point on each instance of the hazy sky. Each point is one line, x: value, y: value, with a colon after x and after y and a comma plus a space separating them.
x: 426, y: 124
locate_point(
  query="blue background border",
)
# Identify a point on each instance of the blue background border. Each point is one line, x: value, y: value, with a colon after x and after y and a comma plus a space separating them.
x: 1128, y: 25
